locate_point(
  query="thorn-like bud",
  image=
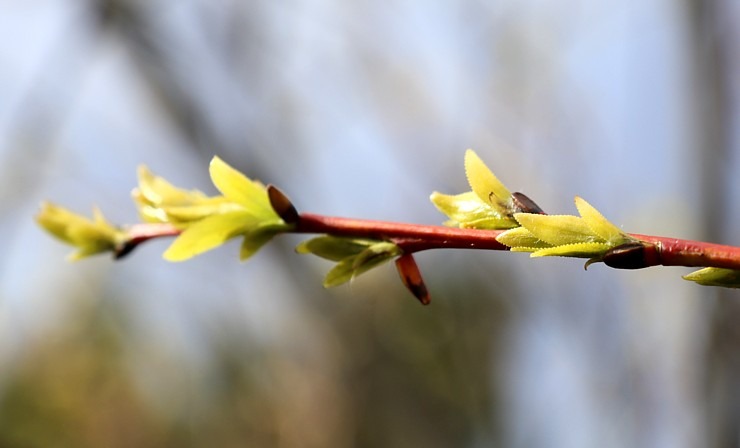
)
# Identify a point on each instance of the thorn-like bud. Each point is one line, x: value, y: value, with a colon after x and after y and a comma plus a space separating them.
x: 411, y: 278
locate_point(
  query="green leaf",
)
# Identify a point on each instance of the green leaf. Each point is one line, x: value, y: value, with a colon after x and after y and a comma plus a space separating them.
x: 468, y: 211
x: 154, y: 190
x: 89, y: 236
x: 600, y: 225
x: 240, y: 189
x: 521, y: 238
x: 558, y: 229
x: 254, y: 240
x: 577, y: 250
x: 485, y: 184
x: 160, y: 201
x: 209, y: 233
x: 727, y: 278
x: 350, y: 267
x: 191, y: 213
x: 334, y: 248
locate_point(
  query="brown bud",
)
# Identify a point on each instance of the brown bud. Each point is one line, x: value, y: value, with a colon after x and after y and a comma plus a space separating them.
x: 522, y: 204
x: 282, y: 205
x: 411, y: 278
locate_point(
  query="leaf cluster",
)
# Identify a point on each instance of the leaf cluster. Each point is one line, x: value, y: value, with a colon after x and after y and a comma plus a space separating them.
x: 247, y: 209
x: 490, y: 205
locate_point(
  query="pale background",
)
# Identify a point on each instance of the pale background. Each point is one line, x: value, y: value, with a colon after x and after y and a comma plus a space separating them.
x: 362, y: 109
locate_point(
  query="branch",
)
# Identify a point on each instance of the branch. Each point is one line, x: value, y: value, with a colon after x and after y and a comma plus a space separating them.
x: 489, y: 217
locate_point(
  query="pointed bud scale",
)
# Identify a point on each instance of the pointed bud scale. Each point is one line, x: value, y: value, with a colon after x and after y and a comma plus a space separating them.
x: 282, y: 205
x: 522, y: 204
x: 627, y: 256
x: 411, y: 278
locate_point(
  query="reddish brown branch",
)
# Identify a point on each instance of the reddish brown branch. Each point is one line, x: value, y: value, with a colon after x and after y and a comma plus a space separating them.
x: 410, y: 237
x: 417, y: 237
x: 678, y: 252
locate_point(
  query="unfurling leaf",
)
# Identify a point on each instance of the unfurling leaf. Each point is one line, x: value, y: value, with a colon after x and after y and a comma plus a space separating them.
x: 238, y: 188
x: 206, y: 222
x: 589, y: 236
x: 600, y: 225
x: 255, y: 239
x: 727, y: 278
x: 485, y: 184
x: 521, y: 240
x: 353, y: 266
x: 576, y: 250
x: 209, y: 233
x: 353, y: 255
x: 488, y: 206
x: 557, y: 230
x: 160, y: 201
x: 467, y: 211
x: 334, y: 248
x: 89, y: 236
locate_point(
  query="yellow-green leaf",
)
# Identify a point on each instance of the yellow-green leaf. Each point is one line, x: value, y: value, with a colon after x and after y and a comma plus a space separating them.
x: 209, y: 233
x: 333, y: 248
x: 253, y: 242
x: 466, y: 210
x: 577, y: 250
x: 255, y: 239
x: 155, y: 190
x: 600, y: 225
x: 190, y: 213
x: 352, y: 266
x: 520, y: 237
x: 240, y: 189
x: 727, y: 278
x: 485, y: 184
x: 558, y: 229
x: 89, y: 236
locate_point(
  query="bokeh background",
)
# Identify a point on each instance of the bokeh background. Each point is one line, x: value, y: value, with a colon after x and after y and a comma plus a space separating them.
x: 363, y: 109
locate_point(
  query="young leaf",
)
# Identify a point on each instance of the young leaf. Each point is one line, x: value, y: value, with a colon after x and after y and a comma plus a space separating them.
x: 160, y: 201
x: 558, y: 229
x: 577, y: 250
x: 255, y: 239
x: 485, y: 184
x: 468, y: 211
x: 521, y: 238
x: 209, y: 233
x: 240, y: 189
x: 600, y: 225
x: 727, y: 278
x: 156, y: 191
x: 90, y: 237
x: 334, y: 248
x: 355, y: 265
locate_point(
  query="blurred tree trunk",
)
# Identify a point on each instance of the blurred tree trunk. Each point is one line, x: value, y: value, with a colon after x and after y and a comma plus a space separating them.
x: 712, y: 47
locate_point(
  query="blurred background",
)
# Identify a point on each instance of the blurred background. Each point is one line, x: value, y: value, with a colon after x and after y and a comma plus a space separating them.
x: 362, y: 109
